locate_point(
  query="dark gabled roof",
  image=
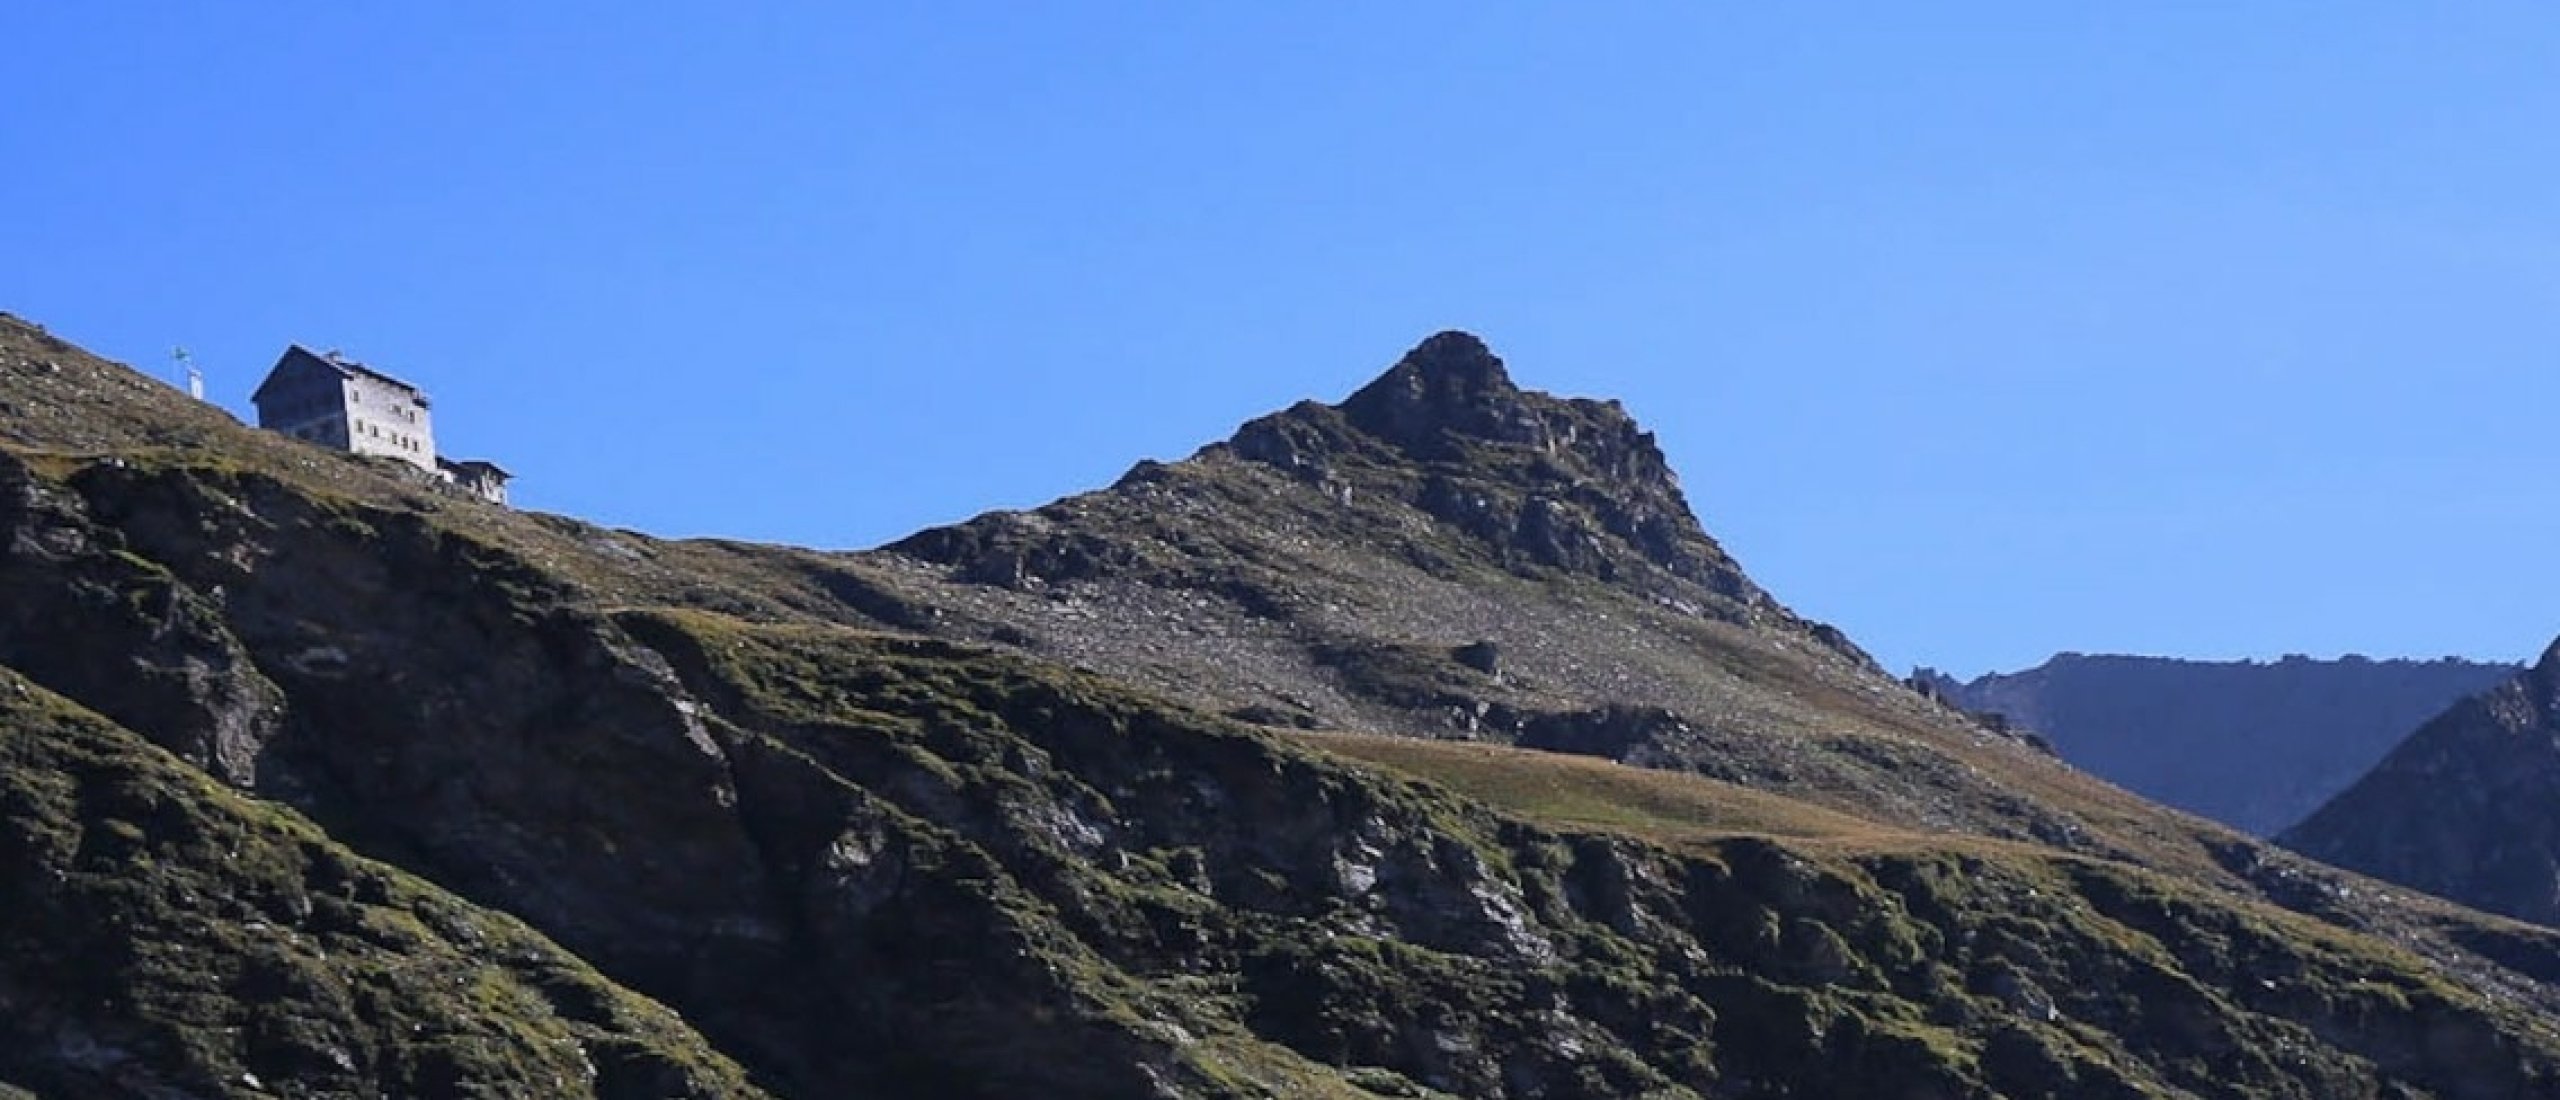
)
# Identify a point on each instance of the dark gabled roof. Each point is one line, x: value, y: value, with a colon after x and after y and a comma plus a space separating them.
x: 473, y: 465
x: 297, y: 358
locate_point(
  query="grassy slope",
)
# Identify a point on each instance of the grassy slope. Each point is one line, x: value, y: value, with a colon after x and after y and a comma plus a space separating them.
x: 1963, y: 962
x: 62, y: 409
x: 1570, y: 792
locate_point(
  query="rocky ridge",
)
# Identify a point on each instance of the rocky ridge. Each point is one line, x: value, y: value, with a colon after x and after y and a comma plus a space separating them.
x: 1446, y: 555
x: 2464, y: 808
x: 872, y: 838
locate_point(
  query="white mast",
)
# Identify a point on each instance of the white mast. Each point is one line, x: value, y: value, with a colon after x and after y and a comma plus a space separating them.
x: 195, y: 378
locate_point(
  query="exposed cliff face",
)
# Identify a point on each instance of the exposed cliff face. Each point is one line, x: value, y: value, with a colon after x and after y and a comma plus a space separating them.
x: 2467, y: 808
x: 2256, y: 746
x: 165, y: 937
x: 866, y: 862
x: 78, y: 611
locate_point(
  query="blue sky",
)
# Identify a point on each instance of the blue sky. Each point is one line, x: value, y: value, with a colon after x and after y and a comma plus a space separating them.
x: 1980, y: 330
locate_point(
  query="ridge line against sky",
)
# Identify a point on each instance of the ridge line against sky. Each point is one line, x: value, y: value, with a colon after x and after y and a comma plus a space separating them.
x: 1981, y: 334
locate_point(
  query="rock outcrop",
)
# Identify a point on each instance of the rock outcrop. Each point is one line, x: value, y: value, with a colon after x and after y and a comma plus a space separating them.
x: 2467, y: 808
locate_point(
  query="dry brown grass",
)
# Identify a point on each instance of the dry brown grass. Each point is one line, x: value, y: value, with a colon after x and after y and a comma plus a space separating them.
x: 1588, y: 793
x: 1678, y: 810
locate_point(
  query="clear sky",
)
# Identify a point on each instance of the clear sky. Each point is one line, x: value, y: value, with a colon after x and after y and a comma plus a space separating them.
x: 1981, y: 330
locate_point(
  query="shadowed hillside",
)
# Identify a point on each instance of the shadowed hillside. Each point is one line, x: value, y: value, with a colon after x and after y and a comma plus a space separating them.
x: 2467, y: 808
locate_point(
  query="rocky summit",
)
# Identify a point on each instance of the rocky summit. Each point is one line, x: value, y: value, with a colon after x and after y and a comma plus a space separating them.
x: 2467, y: 808
x: 1420, y: 745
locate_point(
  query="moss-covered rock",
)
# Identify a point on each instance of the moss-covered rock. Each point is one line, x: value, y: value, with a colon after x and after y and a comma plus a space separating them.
x: 164, y: 936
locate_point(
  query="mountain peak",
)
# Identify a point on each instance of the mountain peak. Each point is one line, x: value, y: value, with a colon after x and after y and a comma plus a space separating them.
x: 1449, y: 383
x: 1456, y: 360
x: 1565, y: 483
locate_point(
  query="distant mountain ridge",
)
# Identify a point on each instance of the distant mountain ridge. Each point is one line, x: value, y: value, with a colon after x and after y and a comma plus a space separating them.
x: 2254, y: 745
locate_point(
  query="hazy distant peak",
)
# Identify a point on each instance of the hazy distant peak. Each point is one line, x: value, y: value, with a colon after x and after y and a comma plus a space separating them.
x: 2254, y: 744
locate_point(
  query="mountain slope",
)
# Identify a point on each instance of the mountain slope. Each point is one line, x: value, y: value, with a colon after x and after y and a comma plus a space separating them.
x: 1446, y: 555
x: 2467, y: 808
x: 866, y: 861
x: 163, y: 936
x: 2256, y: 746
